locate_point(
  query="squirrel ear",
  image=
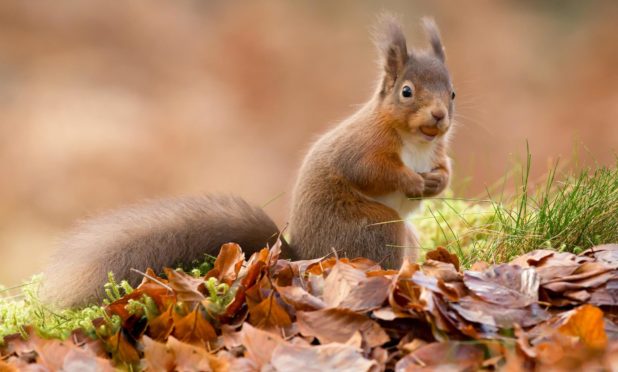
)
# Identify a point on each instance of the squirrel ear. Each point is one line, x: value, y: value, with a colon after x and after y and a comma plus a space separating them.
x: 434, y: 37
x: 391, y: 43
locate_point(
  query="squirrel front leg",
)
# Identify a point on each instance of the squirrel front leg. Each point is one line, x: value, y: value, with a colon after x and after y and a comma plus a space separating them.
x: 437, y: 179
x: 384, y: 173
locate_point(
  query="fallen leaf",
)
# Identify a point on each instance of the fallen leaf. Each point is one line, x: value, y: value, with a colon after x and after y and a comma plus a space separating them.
x: 587, y: 324
x: 443, y: 255
x: 444, y: 355
x: 535, y: 258
x: 122, y: 347
x: 157, y: 356
x: 300, y: 299
x: 505, y: 285
x: 332, y: 357
x: 259, y: 344
x: 338, y: 325
x: 606, y: 295
x: 188, y: 357
x: 368, y: 294
x: 340, y: 282
x: 606, y: 254
x: 186, y: 287
x: 160, y: 327
x: 499, y: 316
x: 226, y: 265
x: 269, y: 314
x: 193, y: 327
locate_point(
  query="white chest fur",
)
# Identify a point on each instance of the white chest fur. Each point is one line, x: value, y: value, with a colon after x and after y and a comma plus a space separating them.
x: 418, y: 156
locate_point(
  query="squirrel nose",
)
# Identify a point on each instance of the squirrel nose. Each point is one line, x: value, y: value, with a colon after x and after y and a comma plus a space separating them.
x: 438, y: 114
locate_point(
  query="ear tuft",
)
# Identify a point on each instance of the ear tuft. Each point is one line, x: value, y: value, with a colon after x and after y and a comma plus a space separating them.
x: 391, y: 43
x: 434, y: 37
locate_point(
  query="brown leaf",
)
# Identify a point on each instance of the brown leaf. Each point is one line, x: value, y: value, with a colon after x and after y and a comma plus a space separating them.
x: 331, y: 357
x: 226, y: 265
x: 560, y: 286
x: 368, y: 294
x: 606, y: 295
x: 505, y: 285
x: 534, y: 258
x: 193, y: 328
x: 441, y: 270
x: 338, y: 325
x: 231, y: 337
x: 80, y: 360
x: 51, y: 353
x: 606, y: 254
x: 359, y: 263
x: 121, y: 348
x: 269, y: 314
x: 443, y: 255
x: 300, y: 299
x: 160, y: 327
x: 160, y: 295
x: 157, y: 357
x: 340, y: 282
x: 436, y: 285
x: 187, y: 288
x: 188, y: 357
x: 586, y: 323
x: 444, y: 355
x: 406, y: 295
x: 6, y: 367
x: 498, y: 316
x: 259, y: 344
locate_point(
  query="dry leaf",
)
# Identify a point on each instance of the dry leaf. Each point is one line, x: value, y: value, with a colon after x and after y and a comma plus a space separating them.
x: 338, y: 325
x: 186, y: 287
x: 269, y: 314
x: 368, y: 294
x: 505, y: 285
x: 192, y: 358
x: 157, y: 356
x: 259, y: 344
x: 340, y: 282
x: 443, y: 255
x: 499, y: 316
x: 193, y: 327
x: 586, y: 323
x: 443, y: 355
x: 332, y: 357
x: 226, y: 265
x: 300, y: 299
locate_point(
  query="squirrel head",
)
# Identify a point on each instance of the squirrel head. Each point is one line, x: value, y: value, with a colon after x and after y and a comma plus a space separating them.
x: 415, y: 94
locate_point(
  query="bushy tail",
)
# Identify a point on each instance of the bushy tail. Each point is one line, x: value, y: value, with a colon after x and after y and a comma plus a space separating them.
x: 154, y: 234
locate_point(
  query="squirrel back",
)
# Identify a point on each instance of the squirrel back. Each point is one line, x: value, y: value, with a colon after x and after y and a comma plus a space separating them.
x: 153, y: 234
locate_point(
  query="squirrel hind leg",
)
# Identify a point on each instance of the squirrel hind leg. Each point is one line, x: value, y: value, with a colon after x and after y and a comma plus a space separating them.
x: 362, y: 229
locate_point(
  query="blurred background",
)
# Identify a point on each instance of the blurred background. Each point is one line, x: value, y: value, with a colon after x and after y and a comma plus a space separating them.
x: 108, y: 103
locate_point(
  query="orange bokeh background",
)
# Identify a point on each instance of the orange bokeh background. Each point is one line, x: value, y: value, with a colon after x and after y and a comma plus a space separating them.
x: 108, y: 103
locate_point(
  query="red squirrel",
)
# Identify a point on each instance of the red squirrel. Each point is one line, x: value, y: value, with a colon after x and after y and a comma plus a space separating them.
x: 355, y: 190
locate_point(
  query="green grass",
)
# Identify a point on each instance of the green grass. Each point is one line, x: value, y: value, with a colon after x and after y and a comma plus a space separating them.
x: 568, y: 212
x: 25, y: 308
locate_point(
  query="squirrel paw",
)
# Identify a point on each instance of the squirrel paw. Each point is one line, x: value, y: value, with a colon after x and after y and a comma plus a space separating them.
x: 414, y: 186
x: 435, y: 182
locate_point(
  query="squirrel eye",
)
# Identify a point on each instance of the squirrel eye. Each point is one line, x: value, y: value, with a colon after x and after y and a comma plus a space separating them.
x: 406, y: 91
x: 453, y: 95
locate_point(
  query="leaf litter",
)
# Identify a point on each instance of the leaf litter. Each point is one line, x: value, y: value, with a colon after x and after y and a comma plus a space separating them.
x: 543, y: 310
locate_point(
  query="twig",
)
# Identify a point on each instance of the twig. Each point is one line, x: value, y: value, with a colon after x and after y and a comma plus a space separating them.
x: 153, y: 279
